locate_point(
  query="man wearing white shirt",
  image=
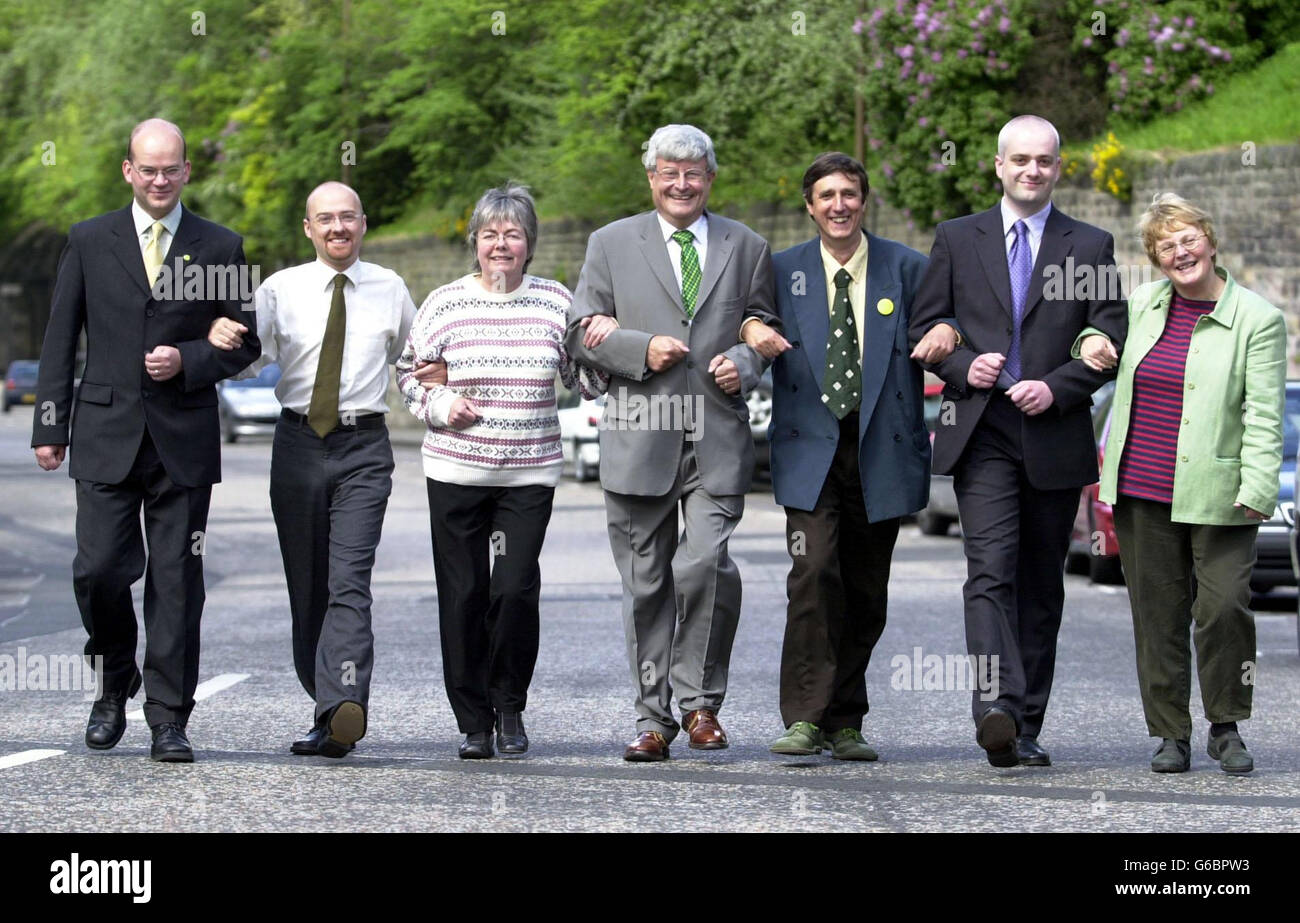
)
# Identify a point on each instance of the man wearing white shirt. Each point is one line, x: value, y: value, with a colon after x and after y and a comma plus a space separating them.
x: 147, y: 435
x: 1014, y: 429
x: 334, y: 325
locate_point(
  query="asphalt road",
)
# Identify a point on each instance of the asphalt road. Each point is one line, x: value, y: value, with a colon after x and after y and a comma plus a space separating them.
x: 405, y: 775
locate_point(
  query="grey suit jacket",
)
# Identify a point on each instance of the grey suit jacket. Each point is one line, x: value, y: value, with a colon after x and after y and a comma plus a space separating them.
x: 627, y: 273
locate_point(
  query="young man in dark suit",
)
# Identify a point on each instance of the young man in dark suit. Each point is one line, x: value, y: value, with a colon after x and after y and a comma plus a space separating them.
x: 1015, y: 430
x: 146, y: 433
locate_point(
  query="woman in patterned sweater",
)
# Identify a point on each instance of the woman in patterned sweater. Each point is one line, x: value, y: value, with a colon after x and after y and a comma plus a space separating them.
x: 491, y: 459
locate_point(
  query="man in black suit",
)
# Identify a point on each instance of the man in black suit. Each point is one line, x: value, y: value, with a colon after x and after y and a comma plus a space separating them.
x: 1014, y: 429
x: 146, y: 432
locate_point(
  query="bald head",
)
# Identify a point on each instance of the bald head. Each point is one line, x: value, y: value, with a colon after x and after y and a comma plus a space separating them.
x: 1027, y: 125
x: 154, y: 128
x: 335, y: 224
x: 331, y: 189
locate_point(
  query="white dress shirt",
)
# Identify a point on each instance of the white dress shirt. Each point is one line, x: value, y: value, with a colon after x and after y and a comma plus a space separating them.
x: 1034, y: 224
x: 293, y: 306
x: 144, y: 226
x: 700, y: 228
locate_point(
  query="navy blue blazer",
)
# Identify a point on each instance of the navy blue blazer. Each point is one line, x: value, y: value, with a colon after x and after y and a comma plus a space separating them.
x: 893, y: 445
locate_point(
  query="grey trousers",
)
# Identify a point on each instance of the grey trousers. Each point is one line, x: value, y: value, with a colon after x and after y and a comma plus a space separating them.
x: 1161, y: 558
x: 681, y: 596
x: 328, y: 497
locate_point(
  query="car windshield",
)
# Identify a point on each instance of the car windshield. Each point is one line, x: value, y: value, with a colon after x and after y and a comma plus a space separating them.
x: 265, y: 379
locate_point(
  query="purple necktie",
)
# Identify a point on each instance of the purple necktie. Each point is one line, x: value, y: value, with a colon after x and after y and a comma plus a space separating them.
x: 1020, y: 262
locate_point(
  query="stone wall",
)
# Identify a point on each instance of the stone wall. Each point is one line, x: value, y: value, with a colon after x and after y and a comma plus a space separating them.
x: 1256, y: 209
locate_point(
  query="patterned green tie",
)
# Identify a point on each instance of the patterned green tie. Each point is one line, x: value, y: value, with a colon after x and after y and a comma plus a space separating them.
x: 690, y: 270
x: 841, y: 392
x: 323, y: 414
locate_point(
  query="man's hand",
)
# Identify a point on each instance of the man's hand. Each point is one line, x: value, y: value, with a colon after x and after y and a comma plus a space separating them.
x: 1098, y: 353
x: 725, y: 373
x: 226, y: 333
x: 1031, y: 397
x: 163, y: 363
x: 983, y: 372
x: 462, y: 414
x: 598, y: 327
x: 431, y: 374
x: 665, y: 352
x: 50, y: 457
x: 937, y: 344
x: 764, y: 340
x: 1252, y: 514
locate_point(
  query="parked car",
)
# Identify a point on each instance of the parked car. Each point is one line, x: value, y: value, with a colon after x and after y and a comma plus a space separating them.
x: 20, y: 383
x: 249, y: 407
x: 760, y: 417
x: 580, y: 432
x: 941, y: 510
x: 1095, y: 549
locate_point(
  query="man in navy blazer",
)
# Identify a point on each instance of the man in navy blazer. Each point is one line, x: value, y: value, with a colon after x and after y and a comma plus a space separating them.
x: 146, y: 434
x: 850, y: 452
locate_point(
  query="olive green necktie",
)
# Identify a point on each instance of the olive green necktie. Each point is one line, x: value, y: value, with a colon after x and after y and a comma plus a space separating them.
x: 841, y: 392
x: 153, y: 253
x: 690, y: 270
x: 323, y: 414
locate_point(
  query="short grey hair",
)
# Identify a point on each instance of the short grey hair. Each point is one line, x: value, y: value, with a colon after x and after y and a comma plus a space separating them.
x: 1025, y: 121
x: 510, y: 202
x: 679, y: 142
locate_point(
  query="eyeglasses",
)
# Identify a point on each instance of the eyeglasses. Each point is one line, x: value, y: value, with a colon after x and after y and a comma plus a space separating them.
x: 148, y: 174
x: 325, y: 221
x: 491, y: 237
x: 693, y: 177
x: 1169, y: 248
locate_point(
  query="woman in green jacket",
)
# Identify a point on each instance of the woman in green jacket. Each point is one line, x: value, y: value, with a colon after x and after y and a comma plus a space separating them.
x: 1191, y: 468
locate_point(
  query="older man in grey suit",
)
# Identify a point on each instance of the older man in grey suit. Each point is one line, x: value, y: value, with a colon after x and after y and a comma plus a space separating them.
x: 659, y: 305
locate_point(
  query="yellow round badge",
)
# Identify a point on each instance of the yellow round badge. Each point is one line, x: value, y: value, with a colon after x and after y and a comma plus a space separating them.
x: 885, y: 306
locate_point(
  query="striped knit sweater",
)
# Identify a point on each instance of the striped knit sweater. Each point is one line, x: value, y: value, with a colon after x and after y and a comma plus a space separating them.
x: 502, y: 353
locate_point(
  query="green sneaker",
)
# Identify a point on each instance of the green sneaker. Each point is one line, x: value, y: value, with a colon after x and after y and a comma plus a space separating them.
x: 848, y: 744
x: 1231, y: 753
x: 802, y: 739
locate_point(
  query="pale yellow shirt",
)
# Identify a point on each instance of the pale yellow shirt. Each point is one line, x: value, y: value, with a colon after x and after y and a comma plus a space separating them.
x: 857, y: 269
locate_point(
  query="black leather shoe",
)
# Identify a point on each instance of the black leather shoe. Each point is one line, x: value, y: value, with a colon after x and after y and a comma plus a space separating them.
x: 170, y: 745
x: 108, y: 717
x: 477, y: 746
x: 996, y: 733
x: 1030, y: 753
x: 309, y: 743
x: 344, y: 725
x: 511, y: 738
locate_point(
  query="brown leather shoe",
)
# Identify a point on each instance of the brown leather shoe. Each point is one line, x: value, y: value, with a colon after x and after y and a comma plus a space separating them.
x: 649, y: 747
x: 706, y: 733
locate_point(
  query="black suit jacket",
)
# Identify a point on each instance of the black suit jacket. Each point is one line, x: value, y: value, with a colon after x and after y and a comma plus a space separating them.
x: 968, y: 284
x: 102, y: 288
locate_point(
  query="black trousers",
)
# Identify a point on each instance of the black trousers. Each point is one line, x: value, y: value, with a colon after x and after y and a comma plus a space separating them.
x: 838, y: 592
x: 486, y: 545
x: 328, y: 497
x: 111, y: 557
x: 1016, y: 539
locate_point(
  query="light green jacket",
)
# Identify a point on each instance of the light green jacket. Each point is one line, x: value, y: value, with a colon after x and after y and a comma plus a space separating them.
x: 1234, y: 395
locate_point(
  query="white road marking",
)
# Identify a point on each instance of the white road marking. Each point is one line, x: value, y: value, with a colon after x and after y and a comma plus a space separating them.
x: 205, y: 689
x: 27, y: 756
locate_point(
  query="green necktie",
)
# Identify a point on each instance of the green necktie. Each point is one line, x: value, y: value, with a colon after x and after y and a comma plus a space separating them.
x: 841, y: 392
x: 323, y: 414
x: 690, y: 270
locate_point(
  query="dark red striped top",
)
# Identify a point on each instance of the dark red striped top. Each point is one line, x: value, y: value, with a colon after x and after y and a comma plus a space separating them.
x: 1147, y: 468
